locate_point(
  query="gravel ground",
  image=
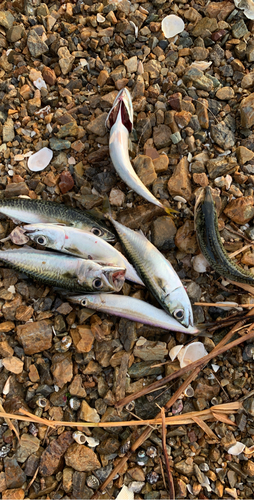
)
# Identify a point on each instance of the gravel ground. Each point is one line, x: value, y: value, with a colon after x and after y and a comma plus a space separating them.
x: 61, y: 67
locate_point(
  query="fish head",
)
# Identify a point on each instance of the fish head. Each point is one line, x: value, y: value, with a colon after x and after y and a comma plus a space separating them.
x: 102, y: 278
x: 122, y: 109
x: 179, y: 306
x: 49, y: 235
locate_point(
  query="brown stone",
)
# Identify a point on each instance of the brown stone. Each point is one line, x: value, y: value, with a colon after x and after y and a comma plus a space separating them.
x: 76, y: 387
x: 7, y: 326
x: 248, y: 259
x: 2, y: 482
x: 49, y: 76
x: 248, y: 468
x: 186, y: 239
x: 13, y: 364
x: 175, y: 101
x: 26, y: 92
x: 161, y: 136
x: 102, y: 78
x: 14, y: 475
x: 145, y: 169
x: 220, y: 10
x: 202, y: 112
x: 13, y: 494
x: 244, y: 154
x: 201, y: 179
x: 33, y: 374
x: 179, y: 183
x: 97, y: 126
x: 5, y: 349
x: 206, y: 391
x: 24, y: 313
x: 225, y: 93
x: 240, y: 210
x: 27, y: 445
x: 247, y: 111
x: 87, y: 413
x: 83, y: 338
x: 182, y: 118
x: 66, y: 182
x: 81, y: 458
x: 35, y: 337
x: 51, y: 458
x: 62, y: 368
x: 161, y: 164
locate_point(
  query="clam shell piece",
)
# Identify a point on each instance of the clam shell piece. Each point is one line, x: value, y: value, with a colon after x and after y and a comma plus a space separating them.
x: 191, y: 353
x: 202, y: 65
x: 173, y: 353
x: 172, y: 25
x: 247, y: 6
x: 200, y: 264
x: 40, y: 160
x: 236, y: 449
x: 125, y: 494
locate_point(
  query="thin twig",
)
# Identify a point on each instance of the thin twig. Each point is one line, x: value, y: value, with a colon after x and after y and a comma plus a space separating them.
x: 9, y: 423
x: 171, y: 487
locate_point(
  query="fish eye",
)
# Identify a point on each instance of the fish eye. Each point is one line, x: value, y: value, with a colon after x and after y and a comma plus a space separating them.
x: 84, y: 302
x: 96, y: 231
x: 41, y: 240
x: 97, y: 283
x: 179, y: 314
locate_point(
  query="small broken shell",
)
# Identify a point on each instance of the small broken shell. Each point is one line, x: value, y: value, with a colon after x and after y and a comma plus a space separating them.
x: 100, y: 18
x: 191, y: 353
x: 202, y: 65
x: 17, y: 236
x: 173, y: 353
x: 40, y: 84
x: 189, y: 392
x: 247, y: 6
x: 125, y: 494
x: 40, y: 160
x: 236, y: 449
x: 172, y: 25
x: 92, y: 442
x: 200, y: 264
x: 79, y: 437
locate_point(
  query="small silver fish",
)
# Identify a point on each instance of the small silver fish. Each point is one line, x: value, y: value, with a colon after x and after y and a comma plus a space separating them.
x: 120, y: 121
x: 133, y: 309
x: 156, y: 273
x: 65, y: 271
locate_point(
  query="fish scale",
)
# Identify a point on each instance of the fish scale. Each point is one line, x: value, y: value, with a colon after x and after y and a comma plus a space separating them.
x: 211, y: 245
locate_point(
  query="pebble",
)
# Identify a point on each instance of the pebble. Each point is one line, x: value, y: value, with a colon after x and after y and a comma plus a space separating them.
x: 161, y: 136
x: 240, y: 210
x: 185, y: 239
x: 179, y: 183
x: 52, y: 455
x: 27, y: 446
x: 247, y: 111
x: 6, y: 19
x: 88, y: 414
x: 145, y: 169
x: 81, y: 458
x: 225, y: 93
x: 150, y: 351
x: 13, y: 364
x: 222, y: 136
x: 35, y: 337
x: 14, y: 475
x: 163, y: 232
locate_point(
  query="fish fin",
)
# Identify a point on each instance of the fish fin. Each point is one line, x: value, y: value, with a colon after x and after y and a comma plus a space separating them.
x: 106, y: 208
x: 170, y: 211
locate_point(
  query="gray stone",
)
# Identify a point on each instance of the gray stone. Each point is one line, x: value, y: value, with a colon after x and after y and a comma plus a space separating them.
x: 97, y: 126
x: 8, y: 130
x: 14, y: 475
x: 35, y: 45
x: 59, y: 144
x: 222, y: 135
x: 239, y: 29
x: 15, y: 33
x: 6, y: 19
x: 163, y: 233
x: 198, y: 79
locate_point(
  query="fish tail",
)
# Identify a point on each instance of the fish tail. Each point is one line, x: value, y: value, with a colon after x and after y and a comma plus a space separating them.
x: 170, y: 211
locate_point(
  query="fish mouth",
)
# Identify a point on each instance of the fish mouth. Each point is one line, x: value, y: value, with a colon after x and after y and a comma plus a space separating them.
x: 116, y: 279
x: 123, y: 106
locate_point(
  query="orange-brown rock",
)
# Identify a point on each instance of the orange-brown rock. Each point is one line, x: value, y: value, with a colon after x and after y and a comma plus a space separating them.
x: 240, y: 210
x: 83, y: 338
x: 81, y: 458
x: 186, y: 239
x: 179, y: 183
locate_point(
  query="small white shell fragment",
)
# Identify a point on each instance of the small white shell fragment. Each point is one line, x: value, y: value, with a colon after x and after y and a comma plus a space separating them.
x: 11, y: 289
x: 173, y: 353
x: 172, y: 25
x: 71, y: 160
x: 236, y: 449
x: 92, y: 442
x: 125, y: 494
x: 40, y: 84
x: 40, y: 160
x: 189, y: 391
x: 100, y: 18
x: 19, y: 157
x: 180, y: 198
x: 223, y: 182
x: 191, y: 353
x: 215, y: 367
x: 200, y: 264
x: 202, y: 65
x: 6, y: 387
x: 135, y: 28
x: 79, y: 437
x: 247, y: 6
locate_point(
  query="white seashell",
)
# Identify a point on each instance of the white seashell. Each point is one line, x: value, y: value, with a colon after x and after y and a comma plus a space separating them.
x: 247, y: 6
x: 191, y: 353
x: 215, y: 368
x: 180, y: 198
x: 189, y: 392
x: 236, y: 449
x: 200, y: 264
x: 173, y: 353
x: 79, y: 437
x: 40, y: 84
x: 92, y: 442
x: 6, y: 387
x: 40, y: 160
x: 125, y: 494
x: 202, y: 65
x: 100, y: 18
x: 172, y: 25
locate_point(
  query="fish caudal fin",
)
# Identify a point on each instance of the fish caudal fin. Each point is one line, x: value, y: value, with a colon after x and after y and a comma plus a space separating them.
x: 170, y: 211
